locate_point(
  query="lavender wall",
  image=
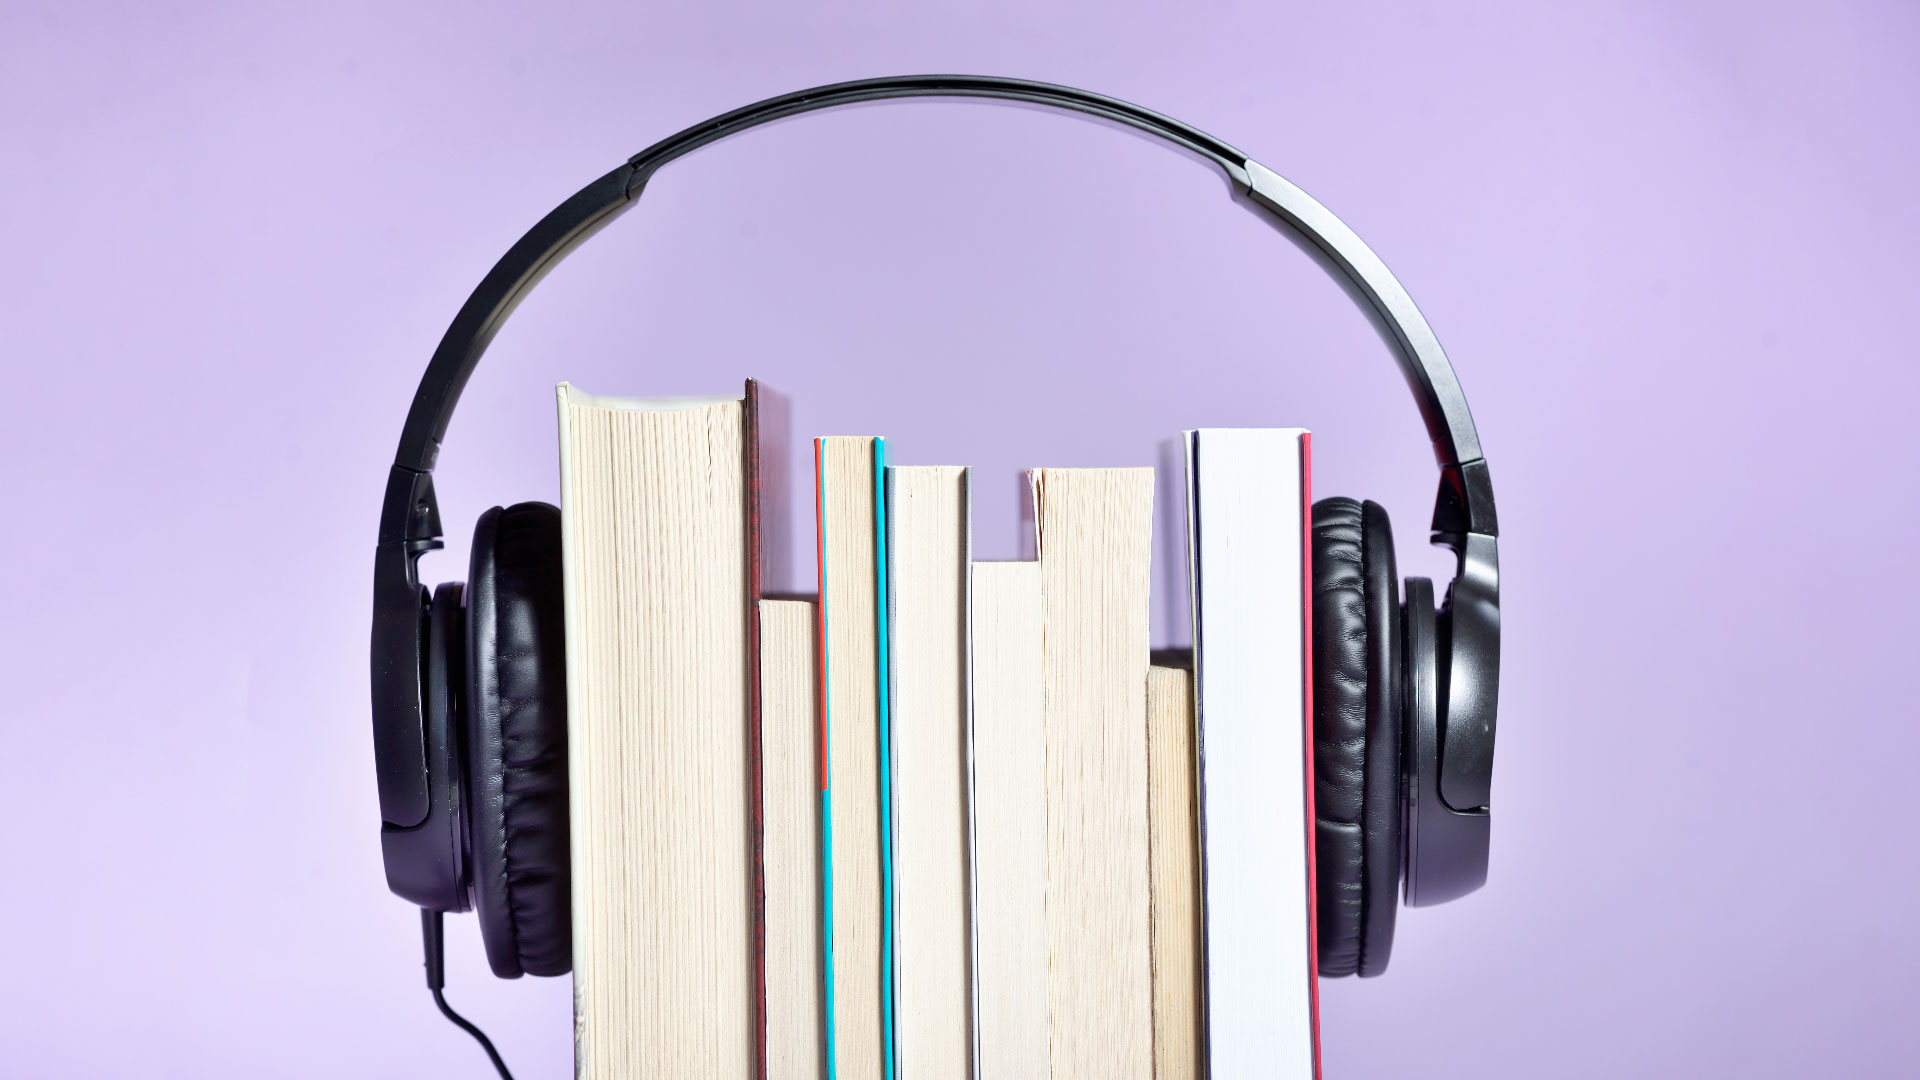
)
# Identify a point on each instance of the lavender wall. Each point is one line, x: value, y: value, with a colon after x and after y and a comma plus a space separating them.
x: 1670, y: 248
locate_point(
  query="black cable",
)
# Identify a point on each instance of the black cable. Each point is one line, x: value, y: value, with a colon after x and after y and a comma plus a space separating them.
x: 481, y: 1036
x: 434, y: 937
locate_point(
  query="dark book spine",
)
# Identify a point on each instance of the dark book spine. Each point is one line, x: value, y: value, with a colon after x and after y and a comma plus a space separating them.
x: 756, y: 787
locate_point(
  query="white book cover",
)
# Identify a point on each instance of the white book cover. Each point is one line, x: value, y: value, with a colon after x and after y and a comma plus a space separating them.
x: 1248, y: 493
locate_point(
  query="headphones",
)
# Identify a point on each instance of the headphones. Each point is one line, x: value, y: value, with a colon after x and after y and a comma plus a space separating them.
x: 469, y: 684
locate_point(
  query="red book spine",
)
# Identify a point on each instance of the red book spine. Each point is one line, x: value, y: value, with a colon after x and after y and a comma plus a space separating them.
x: 820, y: 640
x: 1306, y: 660
x: 826, y: 805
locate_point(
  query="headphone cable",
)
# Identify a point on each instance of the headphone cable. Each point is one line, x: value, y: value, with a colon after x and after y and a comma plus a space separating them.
x: 433, y: 934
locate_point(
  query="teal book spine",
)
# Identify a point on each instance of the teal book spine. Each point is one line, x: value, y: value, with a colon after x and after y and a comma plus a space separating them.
x: 882, y: 608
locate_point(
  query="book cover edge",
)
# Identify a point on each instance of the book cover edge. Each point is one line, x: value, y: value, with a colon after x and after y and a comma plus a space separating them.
x: 1306, y: 681
x: 822, y: 664
x: 756, y: 760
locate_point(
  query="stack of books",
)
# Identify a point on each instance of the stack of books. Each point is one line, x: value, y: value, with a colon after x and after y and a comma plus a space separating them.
x: 944, y: 819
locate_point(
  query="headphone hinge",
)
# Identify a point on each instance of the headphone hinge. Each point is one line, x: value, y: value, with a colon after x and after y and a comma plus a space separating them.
x: 1464, y: 503
x: 409, y: 511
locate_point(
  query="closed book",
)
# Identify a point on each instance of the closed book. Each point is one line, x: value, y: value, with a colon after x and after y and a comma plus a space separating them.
x: 1174, y: 865
x: 1009, y: 822
x: 1247, y: 500
x: 790, y: 780
x: 1094, y: 538
x: 927, y: 554
x: 654, y: 520
x: 856, y: 818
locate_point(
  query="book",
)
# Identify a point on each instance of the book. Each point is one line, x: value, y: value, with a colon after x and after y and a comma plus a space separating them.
x: 1094, y: 538
x: 1247, y: 496
x: 1174, y: 864
x: 856, y: 815
x: 1009, y: 823
x: 789, y: 720
x: 654, y: 520
x: 927, y: 556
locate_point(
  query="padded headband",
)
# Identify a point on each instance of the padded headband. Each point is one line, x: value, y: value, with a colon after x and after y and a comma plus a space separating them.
x: 409, y: 521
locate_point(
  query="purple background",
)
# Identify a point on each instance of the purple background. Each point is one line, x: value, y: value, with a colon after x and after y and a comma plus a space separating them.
x: 1670, y: 248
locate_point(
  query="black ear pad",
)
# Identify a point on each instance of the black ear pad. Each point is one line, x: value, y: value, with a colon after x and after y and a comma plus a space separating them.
x: 517, y: 741
x: 1356, y: 729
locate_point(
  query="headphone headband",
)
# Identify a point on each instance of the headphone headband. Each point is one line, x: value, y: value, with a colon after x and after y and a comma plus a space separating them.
x: 1464, y: 517
x: 1442, y: 405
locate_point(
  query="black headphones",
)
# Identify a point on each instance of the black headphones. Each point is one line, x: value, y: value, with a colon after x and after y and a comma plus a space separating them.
x: 469, y: 685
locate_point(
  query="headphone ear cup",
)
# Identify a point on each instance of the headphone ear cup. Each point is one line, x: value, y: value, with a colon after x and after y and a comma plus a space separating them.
x: 426, y: 863
x: 517, y: 741
x: 1356, y: 724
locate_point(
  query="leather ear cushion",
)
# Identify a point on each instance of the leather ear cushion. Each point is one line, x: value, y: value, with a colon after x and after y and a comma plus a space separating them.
x: 1356, y: 726
x: 1382, y: 806
x: 517, y: 741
